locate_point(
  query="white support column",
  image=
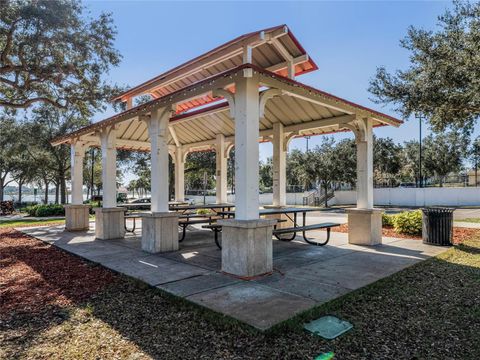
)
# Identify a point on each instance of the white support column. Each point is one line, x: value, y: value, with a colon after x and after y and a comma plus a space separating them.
x: 279, y: 165
x: 109, y: 167
x: 364, y: 222
x: 160, y: 228
x: 158, y: 132
x: 109, y: 218
x: 179, y: 174
x: 76, y: 213
x: 246, y: 148
x: 221, y: 170
x: 247, y: 240
x: 365, y: 166
x: 77, y: 154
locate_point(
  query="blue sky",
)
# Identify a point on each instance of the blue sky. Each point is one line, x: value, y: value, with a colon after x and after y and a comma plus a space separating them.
x: 348, y: 40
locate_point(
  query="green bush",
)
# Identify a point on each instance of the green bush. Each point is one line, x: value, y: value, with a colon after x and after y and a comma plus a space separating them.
x: 388, y: 220
x: 30, y: 210
x: 203, y: 211
x: 45, y: 210
x: 408, y: 222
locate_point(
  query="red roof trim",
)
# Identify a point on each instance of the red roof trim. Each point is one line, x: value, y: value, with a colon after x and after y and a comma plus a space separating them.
x: 216, y: 49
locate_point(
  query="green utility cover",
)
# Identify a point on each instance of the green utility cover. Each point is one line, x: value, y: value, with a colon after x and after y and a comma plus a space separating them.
x: 325, y: 356
x: 328, y: 327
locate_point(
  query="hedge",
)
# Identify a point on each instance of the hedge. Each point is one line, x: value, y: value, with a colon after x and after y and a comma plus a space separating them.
x: 45, y: 210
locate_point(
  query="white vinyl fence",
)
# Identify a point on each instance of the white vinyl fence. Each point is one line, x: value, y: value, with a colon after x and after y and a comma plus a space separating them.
x: 468, y: 196
x: 265, y: 199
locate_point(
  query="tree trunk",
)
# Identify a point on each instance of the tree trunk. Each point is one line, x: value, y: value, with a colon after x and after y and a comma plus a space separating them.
x: 57, y: 191
x: 63, y: 189
x: 326, y: 193
x: 20, y: 184
x: 45, y: 199
x: 2, y: 186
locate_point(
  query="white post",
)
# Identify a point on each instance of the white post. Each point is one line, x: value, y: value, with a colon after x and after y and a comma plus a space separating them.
x: 279, y: 165
x: 160, y: 228
x: 179, y: 174
x: 77, y: 214
x: 77, y: 154
x: 221, y: 170
x: 158, y: 132
x: 109, y: 167
x: 365, y: 167
x: 364, y: 222
x: 109, y: 218
x: 246, y: 148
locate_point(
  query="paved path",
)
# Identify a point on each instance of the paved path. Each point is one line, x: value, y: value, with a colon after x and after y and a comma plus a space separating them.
x: 304, y: 276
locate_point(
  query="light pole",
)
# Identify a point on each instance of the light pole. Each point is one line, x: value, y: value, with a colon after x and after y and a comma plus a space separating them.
x: 307, y: 138
x: 420, y: 179
x: 92, y: 153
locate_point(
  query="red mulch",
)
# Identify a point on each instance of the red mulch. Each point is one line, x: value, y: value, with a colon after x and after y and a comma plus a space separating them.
x: 34, y: 275
x: 459, y: 234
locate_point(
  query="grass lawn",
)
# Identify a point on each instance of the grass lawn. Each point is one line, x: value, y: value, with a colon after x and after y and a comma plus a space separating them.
x: 30, y: 222
x: 55, y: 305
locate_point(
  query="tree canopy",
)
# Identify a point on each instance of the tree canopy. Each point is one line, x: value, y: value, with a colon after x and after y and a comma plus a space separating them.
x: 443, y: 80
x: 444, y: 153
x: 52, y: 52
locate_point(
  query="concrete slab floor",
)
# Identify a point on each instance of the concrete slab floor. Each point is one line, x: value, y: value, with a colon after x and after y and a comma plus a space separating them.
x: 304, y: 275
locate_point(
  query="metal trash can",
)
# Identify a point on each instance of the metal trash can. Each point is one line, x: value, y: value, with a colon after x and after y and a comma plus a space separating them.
x: 437, y: 226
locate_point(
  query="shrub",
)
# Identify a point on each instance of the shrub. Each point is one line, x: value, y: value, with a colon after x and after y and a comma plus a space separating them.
x: 6, y: 207
x: 388, y: 220
x: 408, y: 222
x: 45, y: 210
x: 30, y: 210
x: 203, y: 211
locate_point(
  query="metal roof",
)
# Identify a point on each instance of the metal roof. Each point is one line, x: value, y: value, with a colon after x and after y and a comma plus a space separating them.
x: 269, y: 50
x: 302, y: 109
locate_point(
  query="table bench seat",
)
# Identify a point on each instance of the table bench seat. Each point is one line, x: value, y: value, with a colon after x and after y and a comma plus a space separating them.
x: 303, y: 230
x: 185, y: 223
x: 217, y: 228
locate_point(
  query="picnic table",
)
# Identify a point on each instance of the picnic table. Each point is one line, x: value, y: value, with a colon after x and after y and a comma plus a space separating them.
x: 292, y: 214
x: 185, y: 220
x: 147, y: 205
x: 217, y: 208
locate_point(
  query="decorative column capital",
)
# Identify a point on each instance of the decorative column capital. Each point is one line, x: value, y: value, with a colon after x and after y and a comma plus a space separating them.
x: 227, y: 95
x: 264, y: 97
x: 360, y: 127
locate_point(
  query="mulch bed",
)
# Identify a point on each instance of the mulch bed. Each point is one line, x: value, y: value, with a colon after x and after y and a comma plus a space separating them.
x: 34, y: 275
x: 460, y: 234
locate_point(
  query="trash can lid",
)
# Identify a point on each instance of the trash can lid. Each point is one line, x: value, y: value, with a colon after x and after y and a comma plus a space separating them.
x: 438, y: 209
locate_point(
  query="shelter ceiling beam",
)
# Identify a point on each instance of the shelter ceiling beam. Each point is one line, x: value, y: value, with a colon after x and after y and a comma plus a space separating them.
x: 296, y: 61
x: 286, y: 55
x: 295, y: 129
x: 303, y: 93
x: 173, y: 133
